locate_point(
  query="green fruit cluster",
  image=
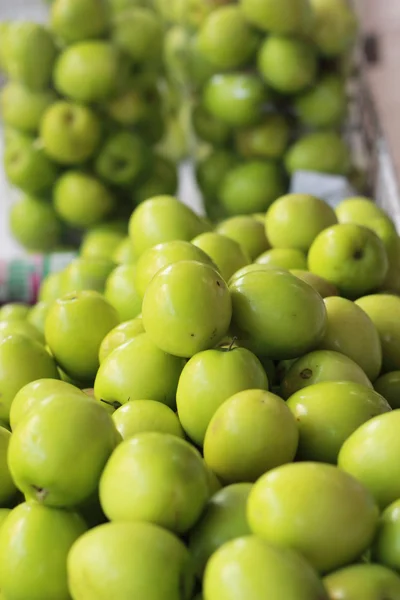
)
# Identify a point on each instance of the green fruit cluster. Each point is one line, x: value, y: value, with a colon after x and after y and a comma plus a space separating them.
x: 86, y: 111
x: 212, y: 413
x: 265, y: 81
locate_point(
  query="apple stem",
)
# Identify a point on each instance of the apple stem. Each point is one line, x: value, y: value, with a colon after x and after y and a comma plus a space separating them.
x: 234, y: 340
x: 114, y: 404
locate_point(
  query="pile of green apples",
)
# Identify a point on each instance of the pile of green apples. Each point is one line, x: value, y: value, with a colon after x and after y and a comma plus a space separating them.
x: 267, y: 85
x: 213, y: 414
x: 85, y: 110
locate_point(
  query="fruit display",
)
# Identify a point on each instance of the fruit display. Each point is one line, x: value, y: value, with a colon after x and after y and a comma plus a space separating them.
x: 183, y: 418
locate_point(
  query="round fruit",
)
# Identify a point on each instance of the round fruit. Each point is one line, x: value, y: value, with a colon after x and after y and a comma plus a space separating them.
x: 8, y: 489
x: 35, y: 224
x: 226, y: 254
x: 73, y: 22
x: 287, y: 17
x: 23, y: 108
x: 386, y: 549
x: 187, y: 308
x: 283, y: 258
x: 322, y: 151
x: 267, y: 139
x: 320, y: 285
x: 138, y: 32
x: 119, y: 335
x: 358, y: 210
x: 247, y: 232
x: 139, y: 416
x: 388, y: 386
x: 86, y: 273
x: 20, y: 327
x: 325, y: 104
x: 37, y: 315
x: 121, y: 292
x: 156, y: 478
x: 305, y: 505
x: 363, y: 582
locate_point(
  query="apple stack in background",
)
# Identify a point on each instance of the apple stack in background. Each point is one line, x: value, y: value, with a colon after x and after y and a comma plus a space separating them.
x: 216, y: 418
x: 266, y: 82
x: 84, y: 108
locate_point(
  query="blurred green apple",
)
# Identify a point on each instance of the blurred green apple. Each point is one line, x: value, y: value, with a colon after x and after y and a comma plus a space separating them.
x: 122, y: 158
x: 35, y: 224
x: 226, y: 254
x: 325, y: 104
x: 323, y: 287
x: 358, y: 209
x: 322, y: 151
x: 138, y: 32
x: 284, y: 258
x: 23, y: 108
x: 101, y: 241
x: 247, y: 232
x: 73, y: 21
x: 388, y: 385
x: 362, y: 582
x: 84, y: 273
x: 287, y: 17
x: 208, y: 128
x: 335, y: 26
x: 267, y: 139
x: 162, y: 179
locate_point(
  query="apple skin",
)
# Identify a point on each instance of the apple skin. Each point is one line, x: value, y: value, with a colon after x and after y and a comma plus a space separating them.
x: 101, y: 241
x: 118, y: 382
x: 119, y: 335
x: 299, y: 314
x: 384, y: 311
x: 287, y: 17
x: 14, y: 311
x: 121, y: 292
x: 208, y: 128
x: 138, y: 33
x: 224, y: 519
x: 351, y: 257
x: 267, y: 139
x: 321, y: 151
x: 250, y: 433
x: 123, y: 549
x: 35, y: 224
x: 22, y: 108
x: 85, y: 274
x: 388, y: 386
x: 328, y: 413
x: 385, y: 549
x: 210, y: 378
x: 210, y: 172
x: 295, y: 220
x: 100, y: 74
x: 370, y: 454
x: 335, y: 26
x: 73, y: 21
x: 234, y: 98
x: 363, y: 582
x: 319, y: 366
x: 283, y: 258
x: 122, y: 159
x: 325, y: 104
x: 260, y: 570
x: 225, y: 38
x: 287, y: 64
x: 226, y: 254
x: 160, y: 478
x: 351, y: 332
x: 138, y: 416
x: 323, y: 287
x: 304, y: 505
x: 247, y: 232
x: 358, y: 209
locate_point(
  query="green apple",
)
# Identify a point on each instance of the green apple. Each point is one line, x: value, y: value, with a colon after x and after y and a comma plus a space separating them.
x: 384, y: 311
x: 251, y: 187
x: 20, y: 327
x: 157, y: 478
x: 101, y: 241
x: 73, y: 21
x: 283, y: 258
x: 119, y: 6
x: 34, y: 393
x: 295, y: 220
x: 208, y: 128
x: 86, y: 274
x: 160, y: 256
x: 363, y: 582
x: 22, y: 360
x: 288, y: 65
x: 27, y: 166
x: 138, y: 416
x: 162, y: 179
x: 138, y: 32
x: 122, y: 293
x: 119, y: 335
x: 70, y: 132
x: 210, y: 378
x: 122, y: 158
x: 335, y: 26
x: 247, y: 232
x: 224, y: 519
x: 24, y: 42
x: 267, y: 139
x: 351, y: 257
x: 68, y: 192
x: 250, y: 433
x: 287, y: 17
x: 276, y: 314
x: 320, y: 285
x: 351, y: 332
x: 226, y: 39
x: 325, y: 104
x: 51, y: 466
x: 135, y: 104
x: 386, y: 231
x: 35, y: 566
x: 260, y: 570
x: 37, y: 315
x: 23, y: 108
x: 358, y: 209
x: 319, y: 366
x: 51, y: 287
x: 8, y: 489
x: 236, y: 99
x: 226, y: 254
x: 328, y: 413
x: 75, y: 327
x: 385, y: 549
x: 388, y: 385
x: 100, y: 74
x: 370, y: 454
x: 14, y: 311
x: 187, y: 308
x: 321, y: 151
x: 128, y: 373
x: 305, y: 505
x: 211, y: 170
x: 130, y: 560
x: 123, y: 253
x: 35, y: 224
